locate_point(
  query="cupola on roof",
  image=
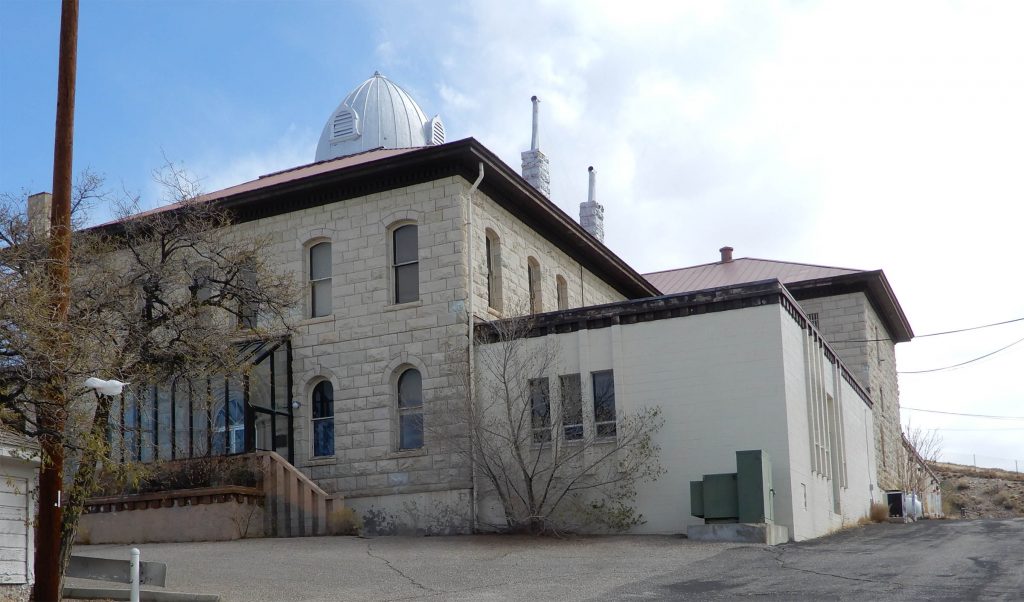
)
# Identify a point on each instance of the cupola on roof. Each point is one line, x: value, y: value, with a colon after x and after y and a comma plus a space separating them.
x: 377, y: 114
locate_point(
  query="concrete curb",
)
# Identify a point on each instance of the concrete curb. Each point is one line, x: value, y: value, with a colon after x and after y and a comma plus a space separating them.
x: 146, y: 595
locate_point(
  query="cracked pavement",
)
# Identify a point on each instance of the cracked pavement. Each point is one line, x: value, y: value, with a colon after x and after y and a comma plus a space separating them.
x: 928, y: 560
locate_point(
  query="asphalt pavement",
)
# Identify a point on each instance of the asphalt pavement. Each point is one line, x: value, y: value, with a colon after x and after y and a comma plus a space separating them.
x: 928, y: 560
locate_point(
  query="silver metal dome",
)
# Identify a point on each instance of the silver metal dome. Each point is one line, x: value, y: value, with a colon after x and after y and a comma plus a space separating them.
x: 378, y: 113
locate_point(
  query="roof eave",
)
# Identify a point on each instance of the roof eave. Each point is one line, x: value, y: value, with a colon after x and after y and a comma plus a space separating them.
x: 874, y: 284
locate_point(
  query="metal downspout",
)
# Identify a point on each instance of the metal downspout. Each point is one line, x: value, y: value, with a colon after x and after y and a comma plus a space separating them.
x: 469, y: 314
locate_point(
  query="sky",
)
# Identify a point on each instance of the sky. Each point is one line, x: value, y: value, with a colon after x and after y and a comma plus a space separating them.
x: 864, y: 135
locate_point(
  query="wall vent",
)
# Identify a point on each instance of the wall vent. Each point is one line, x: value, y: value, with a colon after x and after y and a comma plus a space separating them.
x: 436, y: 131
x: 344, y: 125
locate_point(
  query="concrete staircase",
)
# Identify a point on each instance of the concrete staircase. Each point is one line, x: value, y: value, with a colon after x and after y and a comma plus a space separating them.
x: 294, y: 506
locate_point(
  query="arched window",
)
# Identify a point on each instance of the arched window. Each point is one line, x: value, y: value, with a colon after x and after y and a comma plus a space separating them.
x: 405, y: 258
x: 562, y: 289
x: 323, y: 419
x: 533, y: 278
x: 410, y: 410
x: 492, y: 250
x: 320, y: 280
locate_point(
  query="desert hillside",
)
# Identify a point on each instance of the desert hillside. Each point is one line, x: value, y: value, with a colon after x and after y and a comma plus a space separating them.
x: 984, y: 492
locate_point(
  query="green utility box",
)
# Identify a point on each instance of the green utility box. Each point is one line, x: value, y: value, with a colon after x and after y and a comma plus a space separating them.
x: 754, y: 486
x: 745, y: 496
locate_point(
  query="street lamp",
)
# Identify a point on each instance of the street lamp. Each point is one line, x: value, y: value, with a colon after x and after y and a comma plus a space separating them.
x: 105, y: 387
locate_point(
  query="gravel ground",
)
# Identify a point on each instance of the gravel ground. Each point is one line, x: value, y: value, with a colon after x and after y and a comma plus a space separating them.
x: 417, y: 568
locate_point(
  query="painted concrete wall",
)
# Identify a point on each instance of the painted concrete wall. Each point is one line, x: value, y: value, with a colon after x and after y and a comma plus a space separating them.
x: 814, y: 490
x: 726, y: 381
x: 854, y: 329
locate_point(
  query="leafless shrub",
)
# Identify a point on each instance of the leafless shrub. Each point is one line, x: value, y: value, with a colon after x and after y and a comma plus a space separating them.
x: 549, y: 469
x: 879, y: 512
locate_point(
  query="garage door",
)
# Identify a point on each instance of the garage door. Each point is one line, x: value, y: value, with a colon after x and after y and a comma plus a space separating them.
x: 13, y: 529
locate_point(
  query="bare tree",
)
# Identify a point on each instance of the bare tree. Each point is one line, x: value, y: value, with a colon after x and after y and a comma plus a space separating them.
x: 550, y: 469
x: 153, y: 296
x: 922, y: 448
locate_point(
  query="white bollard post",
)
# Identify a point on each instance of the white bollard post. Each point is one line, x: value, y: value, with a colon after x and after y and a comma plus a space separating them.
x: 135, y: 575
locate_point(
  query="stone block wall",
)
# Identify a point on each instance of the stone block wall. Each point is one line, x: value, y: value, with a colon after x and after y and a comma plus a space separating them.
x: 518, y: 242
x: 854, y: 329
x: 367, y: 340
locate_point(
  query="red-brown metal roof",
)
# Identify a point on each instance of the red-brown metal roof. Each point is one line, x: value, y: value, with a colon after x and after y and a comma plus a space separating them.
x: 739, y: 271
x: 287, y: 175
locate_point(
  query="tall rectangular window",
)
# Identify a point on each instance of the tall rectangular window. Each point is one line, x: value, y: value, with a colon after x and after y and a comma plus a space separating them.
x: 247, y: 308
x: 533, y: 282
x: 410, y: 410
x: 604, y: 403
x: 323, y: 419
x: 490, y: 271
x: 562, y: 290
x: 320, y: 280
x: 572, y: 406
x: 540, y: 410
x: 406, y: 264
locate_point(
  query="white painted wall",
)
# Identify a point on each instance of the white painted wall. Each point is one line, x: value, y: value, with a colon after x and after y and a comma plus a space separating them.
x: 726, y: 381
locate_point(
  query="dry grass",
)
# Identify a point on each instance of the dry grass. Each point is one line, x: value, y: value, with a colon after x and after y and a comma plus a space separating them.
x: 879, y: 512
x: 980, y: 492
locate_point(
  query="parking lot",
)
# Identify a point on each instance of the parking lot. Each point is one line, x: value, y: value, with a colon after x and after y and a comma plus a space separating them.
x: 934, y: 560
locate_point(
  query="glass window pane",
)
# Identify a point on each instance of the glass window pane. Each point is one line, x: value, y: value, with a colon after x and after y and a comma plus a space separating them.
x: 282, y: 394
x: 164, y: 426
x: 406, y: 244
x: 259, y: 385
x: 411, y: 428
x: 182, y: 420
x: 200, y: 417
x: 323, y: 437
x: 131, y: 417
x: 572, y: 406
x: 539, y: 404
x: 410, y: 389
x: 604, y: 403
x: 407, y: 283
x: 147, y: 408
x: 321, y: 298
x: 320, y: 261
x: 323, y: 400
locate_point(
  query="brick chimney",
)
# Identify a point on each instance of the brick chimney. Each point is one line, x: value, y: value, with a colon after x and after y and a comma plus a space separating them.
x: 726, y: 254
x: 591, y: 212
x: 536, y: 170
x: 39, y: 214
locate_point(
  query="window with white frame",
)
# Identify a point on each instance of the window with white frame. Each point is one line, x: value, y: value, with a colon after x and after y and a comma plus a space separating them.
x: 405, y: 263
x: 320, y: 280
x: 410, y: 410
x: 323, y: 419
x: 572, y: 406
x: 540, y: 410
x: 562, y: 290
x: 604, y: 403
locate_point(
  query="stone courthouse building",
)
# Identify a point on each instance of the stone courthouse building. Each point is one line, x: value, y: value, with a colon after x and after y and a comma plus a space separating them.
x: 403, y: 241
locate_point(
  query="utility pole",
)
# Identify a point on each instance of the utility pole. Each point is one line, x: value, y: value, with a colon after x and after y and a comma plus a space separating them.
x: 53, y: 415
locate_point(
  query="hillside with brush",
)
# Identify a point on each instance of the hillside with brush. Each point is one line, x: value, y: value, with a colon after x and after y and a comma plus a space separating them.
x: 982, y: 492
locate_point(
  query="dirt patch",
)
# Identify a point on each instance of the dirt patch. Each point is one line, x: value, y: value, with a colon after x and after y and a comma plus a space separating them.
x: 981, y: 492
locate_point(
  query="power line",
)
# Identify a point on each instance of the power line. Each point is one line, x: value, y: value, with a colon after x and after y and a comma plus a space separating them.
x: 961, y: 363
x: 935, y: 334
x: 963, y: 414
